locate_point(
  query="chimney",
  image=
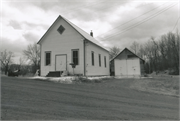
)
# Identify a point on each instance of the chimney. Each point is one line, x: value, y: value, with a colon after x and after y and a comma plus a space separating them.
x: 91, y: 33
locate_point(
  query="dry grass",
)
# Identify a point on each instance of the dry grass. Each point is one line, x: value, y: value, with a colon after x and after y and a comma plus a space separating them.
x: 82, y: 79
x: 162, y: 85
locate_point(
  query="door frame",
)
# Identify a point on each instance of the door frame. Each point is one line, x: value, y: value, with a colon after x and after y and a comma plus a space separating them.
x: 60, y: 55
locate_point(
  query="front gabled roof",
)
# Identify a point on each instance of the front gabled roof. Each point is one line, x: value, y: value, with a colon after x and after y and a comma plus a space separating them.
x: 129, y: 51
x: 79, y: 30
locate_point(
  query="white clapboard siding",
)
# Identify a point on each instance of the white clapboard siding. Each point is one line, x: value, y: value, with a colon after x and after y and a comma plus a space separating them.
x: 62, y: 44
x: 96, y: 69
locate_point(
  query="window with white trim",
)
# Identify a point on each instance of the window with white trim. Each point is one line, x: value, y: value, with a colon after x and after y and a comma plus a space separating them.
x: 99, y: 59
x: 75, y: 57
x: 92, y: 57
x: 105, y: 61
x: 47, y: 58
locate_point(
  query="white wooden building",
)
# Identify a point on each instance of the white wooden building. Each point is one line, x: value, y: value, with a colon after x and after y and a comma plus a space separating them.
x: 127, y: 64
x: 65, y: 43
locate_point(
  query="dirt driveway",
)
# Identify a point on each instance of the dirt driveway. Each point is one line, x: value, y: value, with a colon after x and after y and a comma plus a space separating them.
x: 24, y: 99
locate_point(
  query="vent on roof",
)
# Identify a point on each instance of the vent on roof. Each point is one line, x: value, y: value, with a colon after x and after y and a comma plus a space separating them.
x: 61, y: 29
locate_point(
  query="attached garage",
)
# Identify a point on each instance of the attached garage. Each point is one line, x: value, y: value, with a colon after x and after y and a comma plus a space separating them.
x: 126, y: 64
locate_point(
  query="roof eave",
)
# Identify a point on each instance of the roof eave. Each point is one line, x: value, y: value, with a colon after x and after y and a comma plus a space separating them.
x: 130, y: 51
x: 47, y: 30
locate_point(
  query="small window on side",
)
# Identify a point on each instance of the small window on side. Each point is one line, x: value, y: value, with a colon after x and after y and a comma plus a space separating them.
x: 99, y: 59
x: 75, y: 57
x: 47, y: 58
x: 92, y: 57
x: 105, y: 61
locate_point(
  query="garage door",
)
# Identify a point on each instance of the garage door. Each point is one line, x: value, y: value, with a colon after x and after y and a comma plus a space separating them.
x: 127, y: 67
x: 133, y: 67
x: 120, y: 67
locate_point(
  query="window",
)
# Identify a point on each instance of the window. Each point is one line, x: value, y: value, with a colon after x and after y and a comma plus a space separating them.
x: 75, y: 57
x: 92, y: 57
x: 61, y: 29
x: 105, y: 61
x: 131, y: 56
x: 99, y: 59
x: 47, y: 58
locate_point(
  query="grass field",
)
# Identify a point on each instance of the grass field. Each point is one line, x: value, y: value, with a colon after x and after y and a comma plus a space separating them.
x: 166, y: 85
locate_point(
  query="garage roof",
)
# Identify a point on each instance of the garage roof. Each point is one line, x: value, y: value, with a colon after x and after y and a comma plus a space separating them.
x: 128, y: 50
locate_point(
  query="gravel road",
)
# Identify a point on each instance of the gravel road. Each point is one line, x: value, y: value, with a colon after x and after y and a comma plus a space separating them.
x: 25, y: 99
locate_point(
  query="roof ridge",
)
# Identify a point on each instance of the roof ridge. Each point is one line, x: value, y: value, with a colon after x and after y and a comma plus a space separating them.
x: 128, y: 50
x: 76, y: 26
x: 87, y: 36
x: 79, y: 30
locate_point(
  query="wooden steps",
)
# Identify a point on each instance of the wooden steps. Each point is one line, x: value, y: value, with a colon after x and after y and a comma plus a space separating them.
x: 54, y: 74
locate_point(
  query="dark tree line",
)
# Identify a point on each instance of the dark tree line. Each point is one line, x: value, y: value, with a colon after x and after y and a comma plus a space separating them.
x: 160, y: 54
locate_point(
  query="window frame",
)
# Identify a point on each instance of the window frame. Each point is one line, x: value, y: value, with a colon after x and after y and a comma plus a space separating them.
x: 99, y: 60
x: 59, y: 30
x: 45, y: 63
x: 92, y: 58
x: 105, y: 61
x: 72, y: 58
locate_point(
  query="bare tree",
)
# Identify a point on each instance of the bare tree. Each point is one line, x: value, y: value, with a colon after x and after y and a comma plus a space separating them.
x: 163, y: 49
x: 114, y: 51
x: 21, y: 61
x: 155, y: 53
x: 32, y: 53
x: 135, y: 47
x: 160, y: 54
x: 173, y: 43
x: 141, y: 52
x: 6, y: 59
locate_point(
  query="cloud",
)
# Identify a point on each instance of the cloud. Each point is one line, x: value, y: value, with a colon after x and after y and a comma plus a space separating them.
x: 15, y: 46
x: 26, y: 21
x: 14, y: 24
x: 136, y: 29
x: 31, y: 37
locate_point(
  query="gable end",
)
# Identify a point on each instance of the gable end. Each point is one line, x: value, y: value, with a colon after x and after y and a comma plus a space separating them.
x: 128, y: 56
x: 47, y: 30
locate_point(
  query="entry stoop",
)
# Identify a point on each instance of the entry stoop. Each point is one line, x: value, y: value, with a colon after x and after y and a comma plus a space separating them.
x: 54, y: 74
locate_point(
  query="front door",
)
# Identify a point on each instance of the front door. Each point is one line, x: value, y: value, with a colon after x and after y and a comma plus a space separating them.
x: 61, y: 62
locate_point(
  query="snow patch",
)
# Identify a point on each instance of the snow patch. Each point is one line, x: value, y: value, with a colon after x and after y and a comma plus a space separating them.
x: 71, y: 79
x: 99, y: 78
x: 66, y: 80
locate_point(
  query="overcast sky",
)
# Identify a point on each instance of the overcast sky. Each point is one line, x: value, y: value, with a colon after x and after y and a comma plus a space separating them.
x: 114, y: 22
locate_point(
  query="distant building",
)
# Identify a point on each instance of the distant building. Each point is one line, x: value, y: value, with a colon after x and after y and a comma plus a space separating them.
x: 126, y: 64
x: 65, y: 43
